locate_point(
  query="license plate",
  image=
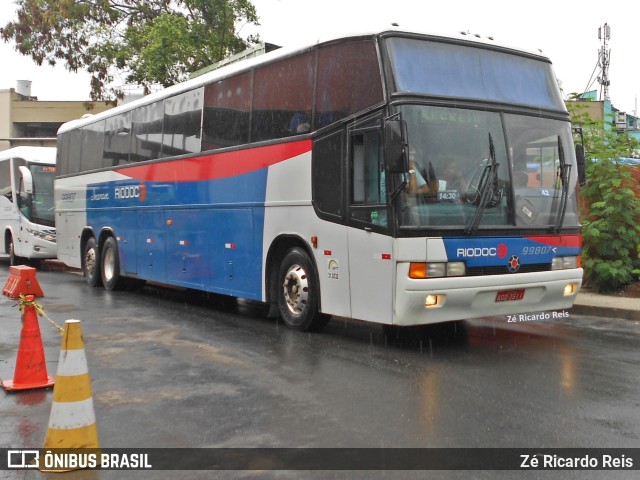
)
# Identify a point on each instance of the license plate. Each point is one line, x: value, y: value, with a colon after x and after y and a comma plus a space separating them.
x: 510, y: 295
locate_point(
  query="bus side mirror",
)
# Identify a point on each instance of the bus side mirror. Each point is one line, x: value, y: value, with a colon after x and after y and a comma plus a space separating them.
x: 582, y: 167
x: 395, y: 142
x: 27, y: 179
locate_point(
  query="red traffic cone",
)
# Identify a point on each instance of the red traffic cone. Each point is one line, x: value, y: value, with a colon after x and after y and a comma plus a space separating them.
x: 22, y: 281
x: 31, y: 367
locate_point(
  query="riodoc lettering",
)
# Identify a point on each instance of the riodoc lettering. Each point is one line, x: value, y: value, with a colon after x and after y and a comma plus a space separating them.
x: 477, y: 252
x: 131, y: 191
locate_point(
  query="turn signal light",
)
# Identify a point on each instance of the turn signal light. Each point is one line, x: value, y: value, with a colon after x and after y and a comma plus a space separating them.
x: 417, y: 270
x: 420, y: 270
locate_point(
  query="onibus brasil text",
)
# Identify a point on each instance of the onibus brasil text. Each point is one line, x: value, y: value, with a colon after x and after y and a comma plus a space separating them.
x: 76, y: 460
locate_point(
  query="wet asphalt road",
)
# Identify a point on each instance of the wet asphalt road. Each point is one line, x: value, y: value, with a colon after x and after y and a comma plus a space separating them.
x: 172, y: 370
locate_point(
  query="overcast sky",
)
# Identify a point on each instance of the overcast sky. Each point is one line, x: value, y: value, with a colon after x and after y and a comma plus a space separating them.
x: 565, y: 30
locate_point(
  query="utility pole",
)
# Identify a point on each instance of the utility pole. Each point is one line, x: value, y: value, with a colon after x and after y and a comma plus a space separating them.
x: 604, y: 56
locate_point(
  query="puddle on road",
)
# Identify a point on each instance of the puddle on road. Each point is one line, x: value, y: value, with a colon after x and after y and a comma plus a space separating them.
x: 113, y: 398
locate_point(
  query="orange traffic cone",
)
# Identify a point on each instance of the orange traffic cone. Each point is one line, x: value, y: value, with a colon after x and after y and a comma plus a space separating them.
x: 72, y: 423
x: 31, y: 367
x: 22, y: 281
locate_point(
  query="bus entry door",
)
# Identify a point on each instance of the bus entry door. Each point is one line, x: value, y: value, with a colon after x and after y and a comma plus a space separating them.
x: 371, y: 274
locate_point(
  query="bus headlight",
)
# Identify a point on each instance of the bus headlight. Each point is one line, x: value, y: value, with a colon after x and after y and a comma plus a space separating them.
x: 434, y: 300
x: 562, y: 263
x: 420, y: 270
x: 456, y: 269
x: 43, y: 235
x: 570, y: 289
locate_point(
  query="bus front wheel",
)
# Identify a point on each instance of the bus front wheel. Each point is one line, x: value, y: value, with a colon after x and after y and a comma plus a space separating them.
x: 110, y: 265
x: 92, y: 263
x: 298, y: 293
x: 13, y: 258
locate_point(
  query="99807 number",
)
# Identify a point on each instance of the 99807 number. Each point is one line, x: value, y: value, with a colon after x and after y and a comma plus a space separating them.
x: 540, y: 250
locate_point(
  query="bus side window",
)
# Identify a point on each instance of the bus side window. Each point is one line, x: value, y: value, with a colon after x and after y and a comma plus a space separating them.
x: 5, y: 180
x: 368, y: 185
x: 327, y: 176
x: 24, y: 201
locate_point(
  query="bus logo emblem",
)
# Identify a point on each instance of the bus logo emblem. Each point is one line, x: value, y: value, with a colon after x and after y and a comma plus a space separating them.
x: 514, y: 264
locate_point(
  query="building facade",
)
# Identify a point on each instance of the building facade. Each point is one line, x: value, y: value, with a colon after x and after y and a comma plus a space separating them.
x: 24, y: 120
x: 605, y: 111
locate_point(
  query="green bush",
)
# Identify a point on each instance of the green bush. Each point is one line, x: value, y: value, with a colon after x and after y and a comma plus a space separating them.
x: 610, y: 201
x: 611, y: 233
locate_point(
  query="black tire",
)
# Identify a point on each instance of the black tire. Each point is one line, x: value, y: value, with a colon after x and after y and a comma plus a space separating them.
x: 13, y: 258
x: 298, y: 293
x: 110, y: 265
x: 91, y: 263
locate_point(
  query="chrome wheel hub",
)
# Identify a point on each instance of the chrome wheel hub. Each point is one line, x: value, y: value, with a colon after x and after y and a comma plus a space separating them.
x: 296, y: 289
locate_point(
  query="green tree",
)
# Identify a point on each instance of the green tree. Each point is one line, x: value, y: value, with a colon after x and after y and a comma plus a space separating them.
x: 611, y: 201
x: 143, y: 42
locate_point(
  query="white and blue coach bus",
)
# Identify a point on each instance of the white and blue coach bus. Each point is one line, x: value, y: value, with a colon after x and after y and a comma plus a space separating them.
x: 396, y: 177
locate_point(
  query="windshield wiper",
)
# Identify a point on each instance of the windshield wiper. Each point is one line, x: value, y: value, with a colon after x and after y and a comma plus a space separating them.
x: 487, y: 187
x: 564, y: 172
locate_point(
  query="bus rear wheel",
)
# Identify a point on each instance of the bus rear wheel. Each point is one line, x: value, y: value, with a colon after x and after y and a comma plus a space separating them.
x: 298, y: 293
x: 91, y: 262
x: 110, y: 265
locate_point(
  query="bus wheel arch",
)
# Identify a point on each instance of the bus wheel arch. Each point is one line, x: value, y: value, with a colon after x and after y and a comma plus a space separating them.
x: 10, y: 248
x: 293, y: 285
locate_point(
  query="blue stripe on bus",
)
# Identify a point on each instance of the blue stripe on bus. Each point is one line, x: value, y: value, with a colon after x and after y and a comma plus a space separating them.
x: 206, y: 235
x: 498, y: 251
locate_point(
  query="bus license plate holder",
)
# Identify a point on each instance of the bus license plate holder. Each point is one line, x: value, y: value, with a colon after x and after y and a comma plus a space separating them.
x: 510, y: 295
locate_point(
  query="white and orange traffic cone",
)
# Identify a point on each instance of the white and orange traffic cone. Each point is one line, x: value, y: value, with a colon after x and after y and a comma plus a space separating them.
x: 72, y: 423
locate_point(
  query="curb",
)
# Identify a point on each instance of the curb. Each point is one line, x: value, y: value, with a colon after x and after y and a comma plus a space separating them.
x: 608, y: 312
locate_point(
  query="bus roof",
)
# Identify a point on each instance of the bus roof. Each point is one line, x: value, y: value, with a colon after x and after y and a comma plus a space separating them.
x: 31, y: 154
x: 245, y: 65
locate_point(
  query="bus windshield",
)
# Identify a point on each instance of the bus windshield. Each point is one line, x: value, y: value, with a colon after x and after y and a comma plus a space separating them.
x: 42, y: 204
x: 479, y: 169
x: 449, y: 70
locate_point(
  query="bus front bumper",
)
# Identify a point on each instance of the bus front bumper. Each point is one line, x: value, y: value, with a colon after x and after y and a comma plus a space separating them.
x: 420, y: 302
x: 42, y: 249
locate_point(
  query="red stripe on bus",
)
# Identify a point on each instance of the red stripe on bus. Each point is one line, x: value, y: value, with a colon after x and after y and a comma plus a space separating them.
x: 557, y: 240
x: 217, y: 165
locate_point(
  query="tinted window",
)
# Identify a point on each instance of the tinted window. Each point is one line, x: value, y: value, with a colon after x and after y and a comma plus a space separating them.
x: 283, y: 98
x: 444, y: 69
x: 117, y: 140
x: 226, y: 112
x: 75, y: 151
x: 348, y: 81
x: 92, y: 143
x: 42, y: 205
x: 327, y: 174
x: 368, y: 183
x: 5, y: 179
x: 182, y: 123
x: 62, y: 153
x: 147, y: 132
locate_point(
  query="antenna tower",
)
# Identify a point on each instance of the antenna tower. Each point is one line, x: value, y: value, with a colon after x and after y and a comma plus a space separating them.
x: 604, y: 56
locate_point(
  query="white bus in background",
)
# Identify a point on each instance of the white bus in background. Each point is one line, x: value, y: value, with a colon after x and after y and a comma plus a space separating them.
x: 26, y: 204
